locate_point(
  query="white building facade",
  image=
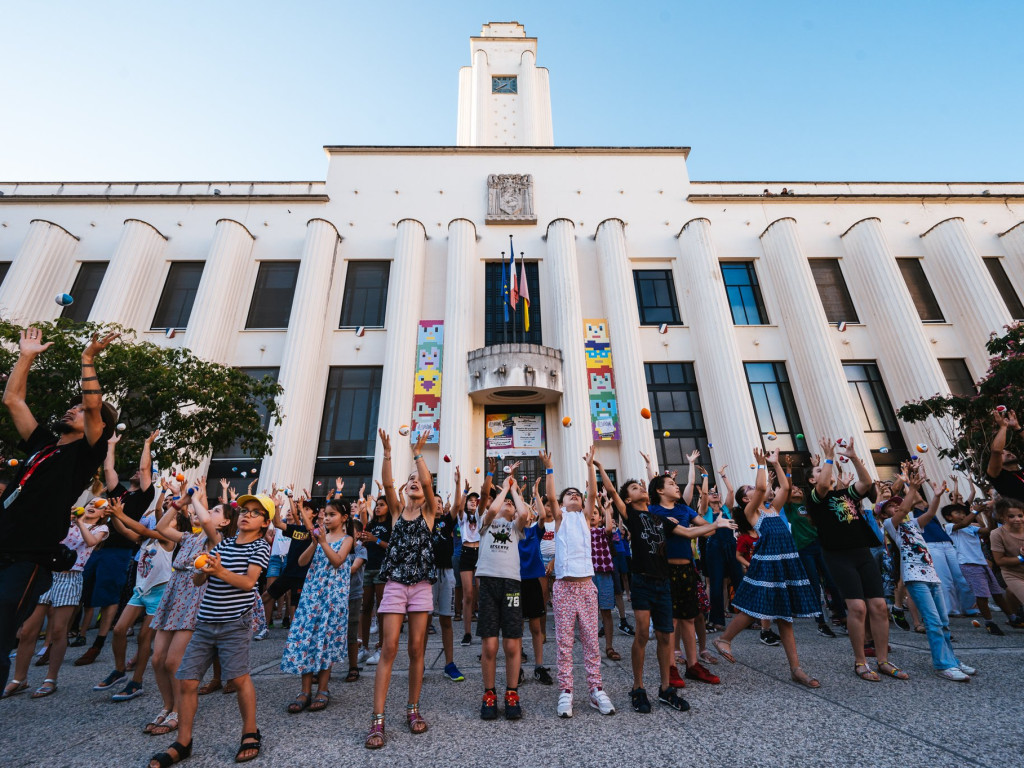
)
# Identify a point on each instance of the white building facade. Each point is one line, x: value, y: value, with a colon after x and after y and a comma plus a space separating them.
x: 737, y: 314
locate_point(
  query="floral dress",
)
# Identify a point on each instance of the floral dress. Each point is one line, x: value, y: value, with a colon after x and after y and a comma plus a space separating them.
x: 319, y: 633
x: 180, y: 604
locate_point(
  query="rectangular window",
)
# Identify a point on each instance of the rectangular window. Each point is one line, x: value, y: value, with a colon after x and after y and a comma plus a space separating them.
x: 676, y: 416
x: 958, y: 377
x: 496, y: 330
x: 1002, y: 281
x: 774, y: 406
x: 875, y: 413
x: 178, y: 295
x: 835, y: 296
x: 656, y: 296
x: 235, y: 451
x: 366, y: 294
x: 349, y: 426
x: 744, y: 293
x: 84, y: 290
x: 5, y: 266
x: 920, y: 291
x: 272, y: 297
x: 504, y: 84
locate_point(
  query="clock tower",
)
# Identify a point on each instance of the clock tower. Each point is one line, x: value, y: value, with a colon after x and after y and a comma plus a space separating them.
x: 504, y: 97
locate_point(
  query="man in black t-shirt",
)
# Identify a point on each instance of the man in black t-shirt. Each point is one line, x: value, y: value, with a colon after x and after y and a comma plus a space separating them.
x: 1003, y: 468
x: 34, y: 508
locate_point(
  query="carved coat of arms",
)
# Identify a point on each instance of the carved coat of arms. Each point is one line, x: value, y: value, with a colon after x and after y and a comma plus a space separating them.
x: 510, y: 198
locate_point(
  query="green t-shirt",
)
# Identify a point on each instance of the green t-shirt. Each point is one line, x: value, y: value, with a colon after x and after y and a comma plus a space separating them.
x: 800, y: 525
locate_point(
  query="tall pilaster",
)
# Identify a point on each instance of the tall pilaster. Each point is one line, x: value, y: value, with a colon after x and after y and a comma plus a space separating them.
x: 563, y: 276
x: 460, y: 279
x: 620, y: 308
x: 303, y: 366
x: 724, y: 396
x: 1012, y: 241
x: 818, y: 372
x: 405, y: 303
x: 136, y: 261
x: 528, y: 96
x: 970, y: 295
x: 210, y: 334
x: 38, y: 273
x: 907, y: 364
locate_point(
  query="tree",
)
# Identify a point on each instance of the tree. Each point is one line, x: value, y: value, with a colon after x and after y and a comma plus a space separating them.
x: 966, y: 422
x: 200, y: 407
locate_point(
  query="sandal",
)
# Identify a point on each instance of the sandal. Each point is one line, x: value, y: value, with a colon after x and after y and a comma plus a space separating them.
x: 14, y: 687
x: 48, y: 688
x: 165, y: 759
x: 165, y: 727
x: 353, y: 675
x: 867, y: 673
x: 251, y: 742
x: 230, y: 688
x: 210, y: 687
x: 376, y: 738
x: 920, y: 629
x: 725, y: 653
x: 301, y: 702
x: 417, y: 724
x: 799, y: 676
x: 158, y: 720
x: 890, y: 669
x: 612, y: 654
x: 320, y: 701
x: 708, y: 657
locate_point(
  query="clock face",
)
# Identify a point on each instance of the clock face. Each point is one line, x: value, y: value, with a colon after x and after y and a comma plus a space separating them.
x: 502, y: 84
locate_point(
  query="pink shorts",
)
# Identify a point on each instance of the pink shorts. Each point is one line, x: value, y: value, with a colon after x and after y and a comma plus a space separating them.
x: 401, y: 598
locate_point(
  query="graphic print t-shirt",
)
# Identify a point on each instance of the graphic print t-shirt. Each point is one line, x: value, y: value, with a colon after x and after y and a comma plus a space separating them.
x: 915, y: 560
x: 499, y: 550
x: 647, y: 540
x: 841, y: 520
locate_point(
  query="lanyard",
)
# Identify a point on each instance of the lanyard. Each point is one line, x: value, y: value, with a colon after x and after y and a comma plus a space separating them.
x: 34, y: 462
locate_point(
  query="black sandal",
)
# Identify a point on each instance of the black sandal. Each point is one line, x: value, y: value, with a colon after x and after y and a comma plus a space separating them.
x: 165, y: 759
x: 301, y: 702
x: 253, y: 745
x: 353, y: 675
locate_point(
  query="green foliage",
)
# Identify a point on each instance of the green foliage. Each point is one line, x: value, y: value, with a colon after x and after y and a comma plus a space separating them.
x: 200, y: 407
x: 967, y: 422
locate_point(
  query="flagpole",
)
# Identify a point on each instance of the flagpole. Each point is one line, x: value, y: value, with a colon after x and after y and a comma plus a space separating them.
x: 511, y: 279
x: 504, y: 301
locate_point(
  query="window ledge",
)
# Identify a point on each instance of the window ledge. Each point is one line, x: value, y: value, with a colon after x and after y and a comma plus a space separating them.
x: 262, y: 330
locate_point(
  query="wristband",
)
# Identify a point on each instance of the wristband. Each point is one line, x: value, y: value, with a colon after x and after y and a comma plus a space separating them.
x: 378, y: 542
x: 547, y: 471
x: 490, y: 474
x: 829, y: 461
x: 1021, y: 558
x: 788, y: 475
x: 760, y: 466
x: 417, y: 457
x: 175, y: 498
x: 703, y: 475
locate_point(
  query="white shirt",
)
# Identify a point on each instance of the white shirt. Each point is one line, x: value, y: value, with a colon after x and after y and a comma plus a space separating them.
x: 968, y: 544
x: 573, y: 546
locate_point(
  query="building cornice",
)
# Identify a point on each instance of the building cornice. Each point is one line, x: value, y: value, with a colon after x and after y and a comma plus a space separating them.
x: 404, y: 150
x: 163, y: 192
x: 860, y: 198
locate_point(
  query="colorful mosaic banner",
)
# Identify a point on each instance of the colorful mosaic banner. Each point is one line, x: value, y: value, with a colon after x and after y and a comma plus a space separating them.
x: 604, y: 408
x: 426, y: 394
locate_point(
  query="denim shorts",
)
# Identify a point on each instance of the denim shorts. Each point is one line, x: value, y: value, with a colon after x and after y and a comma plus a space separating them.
x: 230, y: 641
x: 654, y: 595
x: 276, y: 566
x: 150, y: 600
x: 605, y: 590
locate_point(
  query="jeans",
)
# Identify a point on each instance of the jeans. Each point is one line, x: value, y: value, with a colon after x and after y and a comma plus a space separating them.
x: 957, y: 594
x: 720, y: 562
x: 21, y: 585
x: 813, y: 562
x: 927, y: 596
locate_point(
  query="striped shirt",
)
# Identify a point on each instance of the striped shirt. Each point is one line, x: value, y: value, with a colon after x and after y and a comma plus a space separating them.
x: 223, y: 602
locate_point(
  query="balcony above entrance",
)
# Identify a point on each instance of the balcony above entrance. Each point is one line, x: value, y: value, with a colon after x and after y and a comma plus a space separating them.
x: 515, y: 373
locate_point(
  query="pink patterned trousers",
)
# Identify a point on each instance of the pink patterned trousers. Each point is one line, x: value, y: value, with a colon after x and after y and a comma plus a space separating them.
x: 572, y: 601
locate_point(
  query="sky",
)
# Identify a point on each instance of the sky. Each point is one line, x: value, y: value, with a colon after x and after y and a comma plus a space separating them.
x: 786, y: 91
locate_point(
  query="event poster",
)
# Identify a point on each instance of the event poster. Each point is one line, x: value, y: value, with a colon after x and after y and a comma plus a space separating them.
x: 604, y: 407
x: 514, y: 434
x: 426, y: 394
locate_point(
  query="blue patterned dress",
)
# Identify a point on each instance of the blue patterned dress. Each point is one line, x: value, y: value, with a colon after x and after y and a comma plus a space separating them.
x: 776, y: 584
x: 319, y: 633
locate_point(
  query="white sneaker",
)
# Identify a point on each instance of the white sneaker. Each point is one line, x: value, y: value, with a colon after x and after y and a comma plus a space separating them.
x: 261, y: 635
x: 373, y: 626
x: 374, y: 658
x: 954, y: 674
x: 967, y: 670
x: 362, y: 656
x: 565, y: 704
x: 599, y: 700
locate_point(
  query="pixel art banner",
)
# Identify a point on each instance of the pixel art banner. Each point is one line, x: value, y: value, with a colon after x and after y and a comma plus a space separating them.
x: 604, y: 409
x: 426, y: 394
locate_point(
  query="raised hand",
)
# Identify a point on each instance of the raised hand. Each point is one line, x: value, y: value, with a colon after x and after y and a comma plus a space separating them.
x: 152, y: 436
x: 721, y: 470
x: 692, y: 456
x: 759, y: 458
x: 97, y: 345
x: 588, y: 458
x: 847, y: 450
x: 545, y: 458
x: 773, y: 456
x: 421, y: 440
x: 114, y: 439
x: 647, y: 458
x: 385, y: 441
x: 828, y: 447
x: 31, y: 342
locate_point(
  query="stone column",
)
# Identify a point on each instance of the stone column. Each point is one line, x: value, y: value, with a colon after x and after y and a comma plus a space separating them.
x: 136, y: 263
x: 38, y: 273
x: 527, y: 82
x: 567, y: 322
x: 211, y: 332
x: 620, y: 308
x: 460, y: 282
x: 724, y: 395
x: 405, y: 303
x: 817, y: 371
x: 304, y: 368
x: 1013, y: 242
x: 972, y: 301
x: 481, y: 97
x: 904, y: 356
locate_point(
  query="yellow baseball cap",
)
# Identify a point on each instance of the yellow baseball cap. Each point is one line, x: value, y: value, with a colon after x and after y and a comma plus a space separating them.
x: 263, y: 500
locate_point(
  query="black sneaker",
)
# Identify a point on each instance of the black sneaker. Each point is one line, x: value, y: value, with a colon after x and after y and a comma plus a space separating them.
x: 899, y: 618
x: 489, y: 706
x: 523, y: 657
x: 640, y: 701
x: 673, y: 699
x: 542, y: 676
x: 77, y: 641
x: 110, y: 681
x: 625, y: 628
x: 839, y: 627
x: 600, y: 632
x: 467, y: 639
x: 768, y: 637
x: 513, y: 709
x: 825, y: 630
x: 993, y: 629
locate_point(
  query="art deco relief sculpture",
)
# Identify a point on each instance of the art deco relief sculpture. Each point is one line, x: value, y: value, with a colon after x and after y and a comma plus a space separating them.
x: 510, y: 198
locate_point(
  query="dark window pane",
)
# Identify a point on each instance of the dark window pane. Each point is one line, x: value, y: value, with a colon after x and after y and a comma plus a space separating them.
x: 235, y: 451
x: 835, y: 296
x: 86, y: 286
x: 5, y: 266
x: 775, y: 408
x: 349, y: 426
x: 496, y: 331
x: 178, y: 295
x: 272, y: 297
x: 920, y: 290
x: 675, y: 408
x: 958, y: 377
x: 656, y: 296
x: 1002, y: 281
x: 366, y: 294
x: 875, y: 414
x: 744, y: 293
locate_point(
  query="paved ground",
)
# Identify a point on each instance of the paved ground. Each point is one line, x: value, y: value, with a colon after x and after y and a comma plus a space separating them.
x: 756, y: 717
